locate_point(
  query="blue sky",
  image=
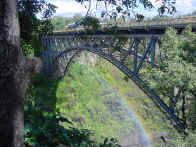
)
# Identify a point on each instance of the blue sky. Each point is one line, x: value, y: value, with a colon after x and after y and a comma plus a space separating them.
x: 70, y: 7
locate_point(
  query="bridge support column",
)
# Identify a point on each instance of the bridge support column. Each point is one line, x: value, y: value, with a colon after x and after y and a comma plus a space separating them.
x: 135, y: 47
x: 153, y: 53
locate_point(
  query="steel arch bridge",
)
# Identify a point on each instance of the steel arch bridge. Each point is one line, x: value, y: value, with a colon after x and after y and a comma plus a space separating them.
x: 119, y: 49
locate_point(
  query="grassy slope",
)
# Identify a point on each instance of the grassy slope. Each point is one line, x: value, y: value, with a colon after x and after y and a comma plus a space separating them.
x: 85, y: 100
x: 82, y: 98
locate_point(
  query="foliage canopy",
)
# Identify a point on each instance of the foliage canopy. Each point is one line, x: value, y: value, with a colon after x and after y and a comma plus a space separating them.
x: 127, y: 7
x: 29, y: 23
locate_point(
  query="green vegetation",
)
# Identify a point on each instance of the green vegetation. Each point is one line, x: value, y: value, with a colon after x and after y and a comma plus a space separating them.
x: 31, y: 27
x: 180, y: 141
x: 90, y: 23
x: 29, y: 23
x: 175, y: 80
x: 27, y: 49
x: 80, y: 96
x: 47, y: 126
x: 32, y: 47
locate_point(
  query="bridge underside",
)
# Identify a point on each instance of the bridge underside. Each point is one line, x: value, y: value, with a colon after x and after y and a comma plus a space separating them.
x: 129, y: 54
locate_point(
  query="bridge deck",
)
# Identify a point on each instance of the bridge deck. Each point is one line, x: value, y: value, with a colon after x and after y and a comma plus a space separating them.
x: 155, y: 30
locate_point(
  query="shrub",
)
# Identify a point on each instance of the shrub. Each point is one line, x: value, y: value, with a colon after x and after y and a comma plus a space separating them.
x: 90, y: 23
x: 27, y: 49
x: 181, y: 141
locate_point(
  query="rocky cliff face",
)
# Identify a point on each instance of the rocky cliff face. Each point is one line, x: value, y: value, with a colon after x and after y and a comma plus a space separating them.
x: 86, y: 58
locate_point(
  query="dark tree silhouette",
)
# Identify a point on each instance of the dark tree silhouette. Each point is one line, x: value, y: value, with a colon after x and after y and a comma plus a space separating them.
x: 14, y: 74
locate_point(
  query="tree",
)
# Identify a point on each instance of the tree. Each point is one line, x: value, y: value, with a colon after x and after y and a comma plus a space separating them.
x: 90, y: 23
x: 15, y: 69
x: 14, y: 73
x: 175, y: 80
x: 29, y: 23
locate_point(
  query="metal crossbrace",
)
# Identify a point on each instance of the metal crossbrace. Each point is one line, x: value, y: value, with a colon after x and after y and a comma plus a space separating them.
x: 131, y: 52
x: 147, y: 50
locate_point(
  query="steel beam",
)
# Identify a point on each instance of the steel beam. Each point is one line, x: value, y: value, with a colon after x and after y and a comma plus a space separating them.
x: 153, y: 53
x: 135, y: 52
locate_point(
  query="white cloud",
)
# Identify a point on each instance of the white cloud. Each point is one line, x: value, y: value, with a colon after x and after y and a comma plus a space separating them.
x: 71, y: 7
x: 185, y: 6
x: 68, y: 7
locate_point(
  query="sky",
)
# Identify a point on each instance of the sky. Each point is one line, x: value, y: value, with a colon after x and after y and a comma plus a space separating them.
x: 70, y: 7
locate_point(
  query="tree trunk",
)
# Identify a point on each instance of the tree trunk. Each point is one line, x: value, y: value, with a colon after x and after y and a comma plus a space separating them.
x: 14, y: 75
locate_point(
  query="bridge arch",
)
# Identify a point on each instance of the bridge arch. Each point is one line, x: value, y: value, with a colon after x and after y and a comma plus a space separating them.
x: 123, y: 68
x: 102, y: 43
